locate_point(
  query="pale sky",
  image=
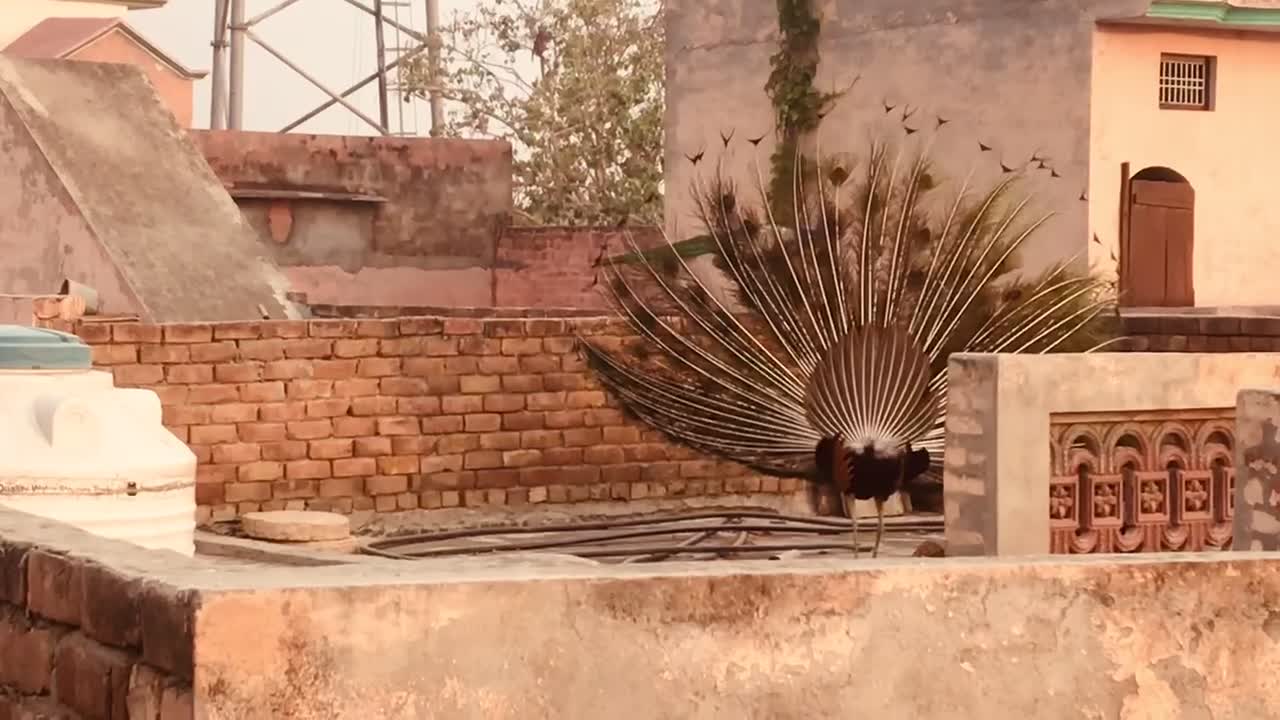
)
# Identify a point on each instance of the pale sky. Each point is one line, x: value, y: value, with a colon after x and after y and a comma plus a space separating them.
x: 332, y: 40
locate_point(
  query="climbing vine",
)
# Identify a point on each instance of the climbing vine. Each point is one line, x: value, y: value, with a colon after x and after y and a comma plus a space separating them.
x: 797, y: 105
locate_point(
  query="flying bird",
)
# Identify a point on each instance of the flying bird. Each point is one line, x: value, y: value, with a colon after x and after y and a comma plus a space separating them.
x: 887, y: 107
x: 1006, y: 168
x: 942, y: 121
x: 910, y: 130
x: 983, y: 146
x: 695, y: 159
x: 756, y: 141
x: 726, y: 138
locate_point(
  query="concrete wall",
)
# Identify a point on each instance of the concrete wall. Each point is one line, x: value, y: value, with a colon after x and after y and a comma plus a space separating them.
x: 997, y: 469
x: 1161, y: 636
x: 1221, y: 152
x: 1013, y: 75
x: 175, y: 90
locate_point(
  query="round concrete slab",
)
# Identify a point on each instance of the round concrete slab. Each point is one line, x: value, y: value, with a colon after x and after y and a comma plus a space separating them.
x: 296, y: 525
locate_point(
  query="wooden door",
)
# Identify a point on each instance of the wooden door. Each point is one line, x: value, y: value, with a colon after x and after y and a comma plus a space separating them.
x: 1159, y: 246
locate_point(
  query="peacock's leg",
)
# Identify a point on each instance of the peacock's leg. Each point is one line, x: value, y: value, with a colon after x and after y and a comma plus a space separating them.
x: 851, y: 510
x: 875, y: 551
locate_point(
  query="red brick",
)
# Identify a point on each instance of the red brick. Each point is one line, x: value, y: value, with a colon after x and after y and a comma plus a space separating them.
x: 187, y: 414
x: 262, y: 349
x: 521, y: 346
x: 442, y: 424
x: 541, y: 438
x: 563, y: 381
x: 585, y: 399
x: 444, y: 385
x: 562, y: 456
x: 504, y: 328
x: 356, y: 348
x: 403, y: 386
x: 328, y: 408
x: 503, y: 403
x: 372, y: 446
x: 91, y: 679
x: 378, y: 367
x: 500, y: 441
x: 463, y: 326
x: 169, y: 354
x: 308, y: 348
x: 603, y: 417
x: 260, y: 472
x: 450, y: 480
x: 340, y: 486
x: 209, y: 494
x: 482, y: 423
x: 539, y: 364
x: 332, y: 328
x: 425, y: 405
x: 620, y: 435
x: 284, y: 329
x: 294, y: 487
x: 354, y: 467
x: 136, y: 333
x: 439, y: 346
x: 476, y: 384
x: 559, y: 345
x: 214, y: 352
x: 213, y: 434
x: 621, y: 473
x: 237, y: 330
x: 482, y: 460
x: 420, y: 325
x: 188, y: 333
x: 399, y: 347
x: 398, y: 426
x: 189, y: 374
x: 307, y: 469
x: 261, y: 432
x: 545, y: 401
x: 304, y: 389
x: 457, y: 443
x: 423, y: 367
x: 309, y: 429
x: 523, y: 421
x: 441, y: 463
x: 354, y: 426
x: 288, y: 450
x: 238, y: 372
x: 355, y: 387
x: 215, y: 473
x: 234, y: 453
x: 385, y: 485
x: 398, y: 464
x: 541, y: 327
x: 461, y: 365
x: 461, y: 404
x: 479, y: 346
x: 249, y: 491
x: 287, y: 369
x: 497, y: 478
x: 384, y: 503
x: 282, y: 411
x: 26, y: 654
x: 565, y: 418
x: 645, y: 453
x: 330, y: 449
x: 521, y: 458
x: 378, y: 405
x: 601, y: 454
x: 498, y: 365
x: 133, y: 375
x: 334, y: 369
x: 213, y: 394
x: 233, y: 413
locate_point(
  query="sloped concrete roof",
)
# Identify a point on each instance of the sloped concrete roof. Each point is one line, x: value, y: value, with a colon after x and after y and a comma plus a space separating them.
x: 144, y: 191
x: 60, y: 37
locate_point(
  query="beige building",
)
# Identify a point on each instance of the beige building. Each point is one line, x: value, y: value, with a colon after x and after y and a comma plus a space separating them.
x: 1179, y: 92
x: 96, y: 31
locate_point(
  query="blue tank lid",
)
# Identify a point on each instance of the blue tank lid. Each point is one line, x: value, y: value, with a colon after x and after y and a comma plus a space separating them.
x: 29, y: 348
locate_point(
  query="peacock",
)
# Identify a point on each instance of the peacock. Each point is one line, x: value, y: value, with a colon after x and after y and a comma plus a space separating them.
x: 818, y: 346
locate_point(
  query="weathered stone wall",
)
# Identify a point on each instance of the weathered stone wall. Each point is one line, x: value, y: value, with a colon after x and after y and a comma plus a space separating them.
x: 399, y: 414
x: 84, y: 634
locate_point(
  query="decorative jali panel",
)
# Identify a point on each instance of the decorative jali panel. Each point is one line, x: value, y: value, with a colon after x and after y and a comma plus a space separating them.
x: 1159, y: 481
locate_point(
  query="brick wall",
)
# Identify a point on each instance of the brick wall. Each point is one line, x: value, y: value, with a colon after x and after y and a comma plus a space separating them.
x: 554, y: 266
x: 1188, y: 332
x: 82, y: 640
x: 397, y: 414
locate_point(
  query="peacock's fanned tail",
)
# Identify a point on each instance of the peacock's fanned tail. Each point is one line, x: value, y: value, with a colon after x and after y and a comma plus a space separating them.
x: 838, y: 318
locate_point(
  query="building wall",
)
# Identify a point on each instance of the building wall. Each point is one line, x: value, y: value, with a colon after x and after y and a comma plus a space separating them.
x: 44, y: 238
x: 18, y: 17
x: 402, y: 413
x: 176, y: 91
x: 1011, y: 74
x: 1225, y: 154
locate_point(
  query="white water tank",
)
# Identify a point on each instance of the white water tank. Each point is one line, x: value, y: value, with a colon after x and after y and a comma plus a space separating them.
x: 76, y: 449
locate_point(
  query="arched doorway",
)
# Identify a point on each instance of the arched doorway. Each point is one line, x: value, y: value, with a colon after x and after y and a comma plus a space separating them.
x: 1158, y: 245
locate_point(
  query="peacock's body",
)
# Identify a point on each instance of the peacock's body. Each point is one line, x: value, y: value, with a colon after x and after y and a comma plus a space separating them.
x: 826, y: 357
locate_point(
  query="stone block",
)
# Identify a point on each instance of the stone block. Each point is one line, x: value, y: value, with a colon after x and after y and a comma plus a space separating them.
x: 26, y: 653
x: 110, y: 611
x: 91, y: 679
x: 146, y: 692
x: 1257, y: 501
x: 167, y: 622
x: 13, y: 572
x: 55, y: 586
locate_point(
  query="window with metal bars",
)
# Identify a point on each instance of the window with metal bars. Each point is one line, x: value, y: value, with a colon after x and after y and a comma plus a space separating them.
x: 1186, y: 82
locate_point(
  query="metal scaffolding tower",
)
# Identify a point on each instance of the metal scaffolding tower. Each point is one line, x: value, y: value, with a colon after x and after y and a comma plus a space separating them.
x: 232, y: 30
